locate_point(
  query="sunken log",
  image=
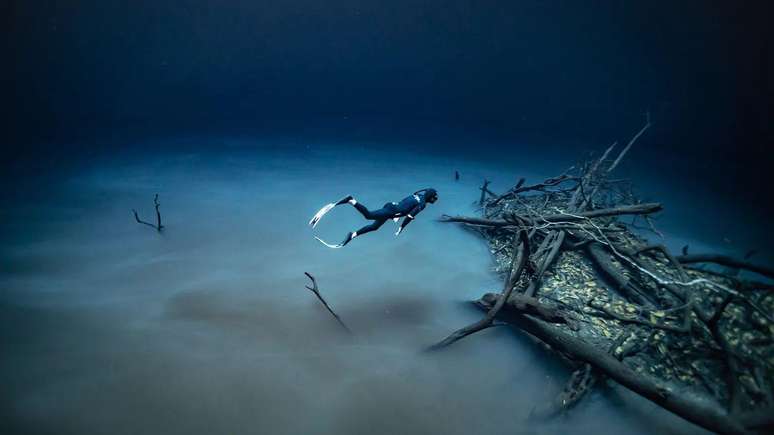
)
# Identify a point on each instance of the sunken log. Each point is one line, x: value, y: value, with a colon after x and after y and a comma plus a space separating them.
x: 699, y: 410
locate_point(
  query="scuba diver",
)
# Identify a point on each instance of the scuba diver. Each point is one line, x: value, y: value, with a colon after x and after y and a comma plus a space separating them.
x: 408, y: 208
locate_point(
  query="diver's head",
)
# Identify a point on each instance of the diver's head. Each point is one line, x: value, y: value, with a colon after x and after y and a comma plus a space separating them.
x: 431, y: 195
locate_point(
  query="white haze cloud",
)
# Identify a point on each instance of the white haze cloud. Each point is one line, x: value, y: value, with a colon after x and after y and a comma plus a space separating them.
x: 110, y: 328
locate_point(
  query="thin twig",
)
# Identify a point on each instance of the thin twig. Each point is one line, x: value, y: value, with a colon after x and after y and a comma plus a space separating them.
x: 631, y: 142
x: 158, y: 225
x: 316, y: 292
x: 158, y: 214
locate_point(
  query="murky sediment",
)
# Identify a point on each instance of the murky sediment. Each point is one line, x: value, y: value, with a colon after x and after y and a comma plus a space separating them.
x: 110, y: 327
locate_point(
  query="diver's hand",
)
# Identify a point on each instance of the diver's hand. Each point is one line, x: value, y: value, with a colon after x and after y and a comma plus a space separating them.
x: 398, y: 232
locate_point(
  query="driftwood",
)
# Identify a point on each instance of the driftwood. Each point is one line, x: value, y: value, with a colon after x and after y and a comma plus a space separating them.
x: 561, y: 217
x: 699, y: 410
x: 484, y: 192
x: 158, y: 225
x: 517, y: 266
x: 527, y: 305
x: 576, y: 276
x: 316, y: 292
x: 580, y: 383
x: 520, y: 188
x: 631, y: 142
x: 628, y: 288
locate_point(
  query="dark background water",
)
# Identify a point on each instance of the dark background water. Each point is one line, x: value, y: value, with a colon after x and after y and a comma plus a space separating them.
x: 100, y: 74
x: 248, y: 115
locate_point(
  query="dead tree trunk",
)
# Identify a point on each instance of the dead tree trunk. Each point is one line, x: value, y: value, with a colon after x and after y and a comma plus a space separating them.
x: 698, y: 410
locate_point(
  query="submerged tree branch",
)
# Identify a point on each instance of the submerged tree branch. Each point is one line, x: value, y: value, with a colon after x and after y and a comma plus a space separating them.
x: 158, y: 225
x: 517, y: 266
x: 561, y: 217
x: 700, y: 410
x: 316, y: 292
x: 631, y: 142
x: 520, y: 188
x: 724, y: 260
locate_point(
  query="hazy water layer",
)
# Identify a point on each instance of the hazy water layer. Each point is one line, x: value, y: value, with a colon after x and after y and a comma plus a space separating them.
x: 110, y: 327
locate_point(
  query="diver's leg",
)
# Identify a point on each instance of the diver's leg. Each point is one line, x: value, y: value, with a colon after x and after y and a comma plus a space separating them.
x: 368, y: 214
x: 351, y: 200
x: 375, y: 225
x: 384, y: 213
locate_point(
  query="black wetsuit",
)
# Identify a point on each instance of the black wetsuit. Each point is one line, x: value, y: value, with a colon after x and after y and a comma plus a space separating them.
x: 409, y: 207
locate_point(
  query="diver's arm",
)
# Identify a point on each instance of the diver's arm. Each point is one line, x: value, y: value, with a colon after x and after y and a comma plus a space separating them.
x: 406, y: 220
x: 410, y: 217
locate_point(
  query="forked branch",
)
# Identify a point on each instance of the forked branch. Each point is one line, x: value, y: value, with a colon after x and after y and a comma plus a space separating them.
x: 316, y: 292
x: 517, y: 266
x: 158, y: 225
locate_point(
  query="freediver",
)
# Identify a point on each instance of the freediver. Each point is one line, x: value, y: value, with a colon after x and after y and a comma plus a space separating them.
x: 407, y: 208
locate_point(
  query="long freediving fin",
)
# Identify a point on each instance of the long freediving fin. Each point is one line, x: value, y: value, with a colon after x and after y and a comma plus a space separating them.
x: 316, y: 218
x: 350, y: 236
x: 319, y: 215
x: 328, y: 244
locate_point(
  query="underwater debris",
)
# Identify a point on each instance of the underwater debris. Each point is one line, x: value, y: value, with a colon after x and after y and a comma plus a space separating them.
x: 158, y: 225
x: 484, y: 192
x: 697, y: 342
x: 316, y: 292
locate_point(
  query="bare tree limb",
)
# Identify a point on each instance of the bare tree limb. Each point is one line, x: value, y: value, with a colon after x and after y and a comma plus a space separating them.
x: 726, y: 261
x: 699, y: 410
x: 628, y: 289
x: 158, y: 225
x: 551, y: 182
x: 158, y: 214
x: 517, y: 266
x: 484, y: 191
x: 527, y: 305
x: 684, y: 328
x: 615, y: 211
x: 663, y: 249
x: 553, y: 252
x: 316, y: 292
x: 578, y: 385
x: 629, y: 145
